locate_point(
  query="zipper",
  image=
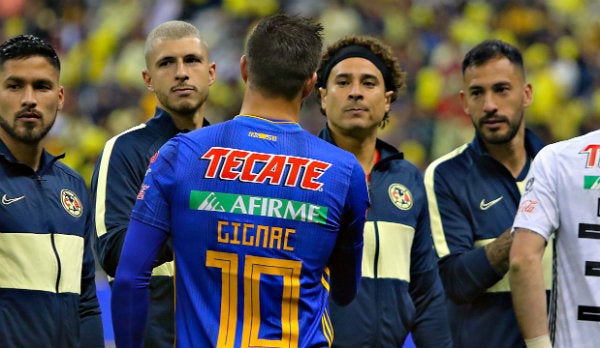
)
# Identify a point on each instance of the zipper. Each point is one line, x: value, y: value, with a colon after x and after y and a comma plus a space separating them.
x: 58, y: 265
x: 376, y: 261
x: 39, y: 180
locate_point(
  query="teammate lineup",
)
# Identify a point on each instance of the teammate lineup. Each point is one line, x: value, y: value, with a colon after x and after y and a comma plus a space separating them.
x: 254, y: 232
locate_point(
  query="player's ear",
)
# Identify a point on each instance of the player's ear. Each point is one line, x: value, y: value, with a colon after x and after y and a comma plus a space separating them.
x: 309, y: 85
x: 244, y: 68
x: 147, y: 80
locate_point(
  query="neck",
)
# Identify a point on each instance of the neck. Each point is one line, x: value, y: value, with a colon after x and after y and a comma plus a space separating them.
x: 255, y: 103
x: 26, y: 154
x: 512, y: 155
x: 362, y: 148
x: 188, y: 121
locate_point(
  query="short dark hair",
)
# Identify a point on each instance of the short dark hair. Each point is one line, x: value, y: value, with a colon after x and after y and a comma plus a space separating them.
x: 282, y: 52
x: 25, y: 46
x: 382, y: 51
x: 491, y: 49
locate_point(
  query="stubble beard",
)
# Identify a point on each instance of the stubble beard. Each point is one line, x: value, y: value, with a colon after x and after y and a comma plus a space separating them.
x: 186, y: 107
x: 26, y: 134
x: 497, y: 138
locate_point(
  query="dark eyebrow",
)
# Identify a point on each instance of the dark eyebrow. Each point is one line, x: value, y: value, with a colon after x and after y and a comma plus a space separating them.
x: 164, y: 59
x: 18, y: 79
x: 502, y: 84
x: 194, y: 55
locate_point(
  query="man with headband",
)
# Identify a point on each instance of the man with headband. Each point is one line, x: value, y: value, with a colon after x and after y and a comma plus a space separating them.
x: 400, y: 292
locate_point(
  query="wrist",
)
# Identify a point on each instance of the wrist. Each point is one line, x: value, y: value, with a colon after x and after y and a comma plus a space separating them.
x: 539, y: 342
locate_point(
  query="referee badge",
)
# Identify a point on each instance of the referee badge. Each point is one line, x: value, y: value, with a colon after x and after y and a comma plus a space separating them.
x: 400, y: 196
x: 71, y: 203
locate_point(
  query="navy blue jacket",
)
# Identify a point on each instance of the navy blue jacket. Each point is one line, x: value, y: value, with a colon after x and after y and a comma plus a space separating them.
x: 400, y: 290
x: 116, y: 182
x: 47, y: 278
x: 473, y: 199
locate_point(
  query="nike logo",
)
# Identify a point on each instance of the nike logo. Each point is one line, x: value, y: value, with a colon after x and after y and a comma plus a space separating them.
x: 486, y: 205
x: 7, y: 201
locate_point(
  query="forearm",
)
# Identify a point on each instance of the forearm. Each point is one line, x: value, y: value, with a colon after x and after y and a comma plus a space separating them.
x: 345, y: 268
x: 431, y: 327
x: 528, y: 292
x: 92, y: 333
x: 467, y: 275
x: 498, y: 251
x: 108, y: 249
x: 130, y: 292
x: 529, y: 298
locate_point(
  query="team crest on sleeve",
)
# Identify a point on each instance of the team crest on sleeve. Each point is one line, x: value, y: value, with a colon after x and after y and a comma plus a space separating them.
x: 400, y: 196
x: 529, y: 184
x: 71, y: 203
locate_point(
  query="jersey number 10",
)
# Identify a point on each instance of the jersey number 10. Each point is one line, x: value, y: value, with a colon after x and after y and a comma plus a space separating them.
x: 254, y: 268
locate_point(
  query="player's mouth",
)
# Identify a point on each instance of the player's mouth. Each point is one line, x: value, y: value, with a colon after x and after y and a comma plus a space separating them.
x: 29, y: 116
x: 183, y: 90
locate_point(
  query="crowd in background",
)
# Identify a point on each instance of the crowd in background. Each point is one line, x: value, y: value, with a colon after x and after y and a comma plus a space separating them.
x: 101, y: 42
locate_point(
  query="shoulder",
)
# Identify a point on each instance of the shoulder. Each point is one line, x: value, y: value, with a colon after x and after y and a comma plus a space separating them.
x: 455, y: 163
x: 64, y: 171
x: 572, y: 152
x: 67, y: 178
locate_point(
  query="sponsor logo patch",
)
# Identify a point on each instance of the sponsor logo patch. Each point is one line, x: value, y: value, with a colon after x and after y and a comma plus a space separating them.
x: 487, y: 205
x: 258, y: 206
x: 528, y: 206
x: 71, y: 203
x: 142, y: 192
x: 592, y: 151
x: 7, y: 201
x: 262, y: 136
x: 264, y: 168
x: 529, y: 184
x: 400, y: 196
x: 591, y: 182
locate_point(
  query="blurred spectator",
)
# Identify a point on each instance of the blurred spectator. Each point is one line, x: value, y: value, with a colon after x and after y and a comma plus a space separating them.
x: 100, y: 42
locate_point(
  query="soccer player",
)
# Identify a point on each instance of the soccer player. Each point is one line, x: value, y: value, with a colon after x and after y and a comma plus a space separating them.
x: 473, y: 194
x: 265, y: 219
x: 561, y: 198
x: 179, y: 72
x: 401, y: 291
x: 47, y: 273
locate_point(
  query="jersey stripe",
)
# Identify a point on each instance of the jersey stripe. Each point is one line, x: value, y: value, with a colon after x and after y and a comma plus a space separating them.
x: 437, y: 229
x: 29, y: 262
x: 394, y: 239
x: 100, y: 207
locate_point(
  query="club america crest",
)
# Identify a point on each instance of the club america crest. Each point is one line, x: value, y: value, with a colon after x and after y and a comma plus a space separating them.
x: 400, y: 196
x: 71, y: 203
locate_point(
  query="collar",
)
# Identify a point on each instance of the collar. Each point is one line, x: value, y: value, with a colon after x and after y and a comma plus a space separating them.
x: 164, y: 120
x: 46, y: 161
x: 533, y: 144
x: 387, y: 151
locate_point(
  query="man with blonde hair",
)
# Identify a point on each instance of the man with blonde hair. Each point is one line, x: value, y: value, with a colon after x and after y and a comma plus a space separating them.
x: 179, y: 72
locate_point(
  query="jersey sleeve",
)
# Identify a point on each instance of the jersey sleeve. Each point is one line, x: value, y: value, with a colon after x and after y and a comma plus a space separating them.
x: 146, y: 234
x: 116, y: 181
x: 430, y: 328
x: 115, y: 184
x: 345, y: 261
x: 152, y: 205
x: 538, y: 208
x: 92, y: 333
x: 465, y: 270
x: 130, y: 292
